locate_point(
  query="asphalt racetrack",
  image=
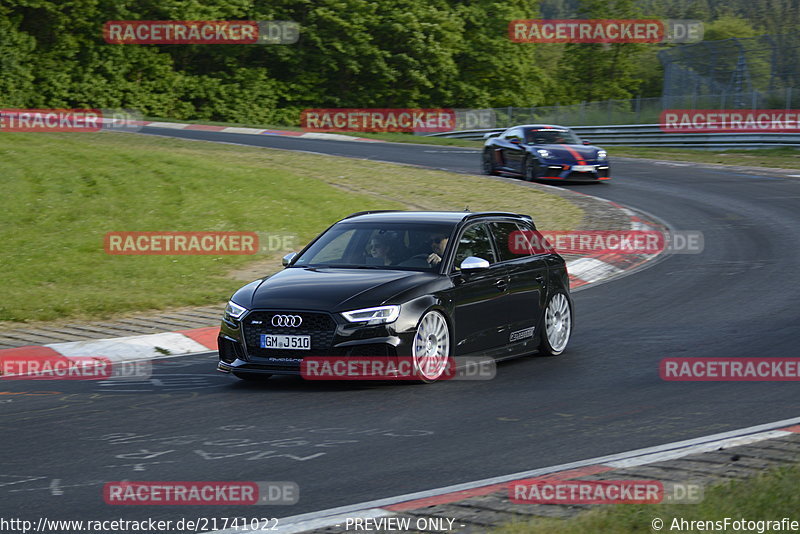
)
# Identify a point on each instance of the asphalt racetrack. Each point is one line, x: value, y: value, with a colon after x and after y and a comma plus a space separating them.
x: 347, y: 443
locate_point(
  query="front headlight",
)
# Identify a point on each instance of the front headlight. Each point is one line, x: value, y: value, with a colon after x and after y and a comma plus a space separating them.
x: 601, y: 154
x: 378, y: 315
x: 545, y: 153
x: 234, y: 310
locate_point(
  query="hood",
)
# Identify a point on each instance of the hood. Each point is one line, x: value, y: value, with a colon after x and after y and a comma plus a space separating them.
x: 328, y: 289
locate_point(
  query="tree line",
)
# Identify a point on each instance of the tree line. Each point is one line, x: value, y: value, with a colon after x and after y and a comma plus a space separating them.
x: 351, y: 53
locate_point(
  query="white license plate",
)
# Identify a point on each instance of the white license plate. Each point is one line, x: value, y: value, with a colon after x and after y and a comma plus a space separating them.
x: 583, y: 168
x: 283, y: 341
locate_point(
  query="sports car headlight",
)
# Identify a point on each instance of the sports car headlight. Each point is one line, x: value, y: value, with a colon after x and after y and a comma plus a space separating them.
x: 378, y: 315
x: 234, y: 310
x: 545, y: 153
x: 601, y: 154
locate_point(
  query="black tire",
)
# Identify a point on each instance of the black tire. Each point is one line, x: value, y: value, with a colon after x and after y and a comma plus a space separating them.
x: 530, y: 169
x: 550, y: 341
x: 487, y: 163
x: 252, y: 377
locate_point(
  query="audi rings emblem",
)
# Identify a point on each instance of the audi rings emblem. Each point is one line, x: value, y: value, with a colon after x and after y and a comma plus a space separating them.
x: 287, y: 320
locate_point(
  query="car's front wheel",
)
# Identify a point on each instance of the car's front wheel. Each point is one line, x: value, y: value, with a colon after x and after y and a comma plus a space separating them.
x: 431, y: 349
x: 557, y: 325
x: 487, y: 164
x: 531, y: 170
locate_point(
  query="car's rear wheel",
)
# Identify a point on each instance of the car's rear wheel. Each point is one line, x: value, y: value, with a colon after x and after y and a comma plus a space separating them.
x: 252, y: 377
x: 487, y: 164
x: 532, y: 170
x: 557, y: 325
x: 431, y: 349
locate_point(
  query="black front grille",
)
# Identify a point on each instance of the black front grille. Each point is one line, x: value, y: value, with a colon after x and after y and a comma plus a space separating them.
x: 582, y: 176
x: 320, y: 326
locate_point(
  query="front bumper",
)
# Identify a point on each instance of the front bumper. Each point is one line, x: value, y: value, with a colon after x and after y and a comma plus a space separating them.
x: 239, y: 350
x: 567, y: 172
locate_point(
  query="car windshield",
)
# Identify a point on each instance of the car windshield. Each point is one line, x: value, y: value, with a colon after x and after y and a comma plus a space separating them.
x: 550, y: 136
x: 379, y: 245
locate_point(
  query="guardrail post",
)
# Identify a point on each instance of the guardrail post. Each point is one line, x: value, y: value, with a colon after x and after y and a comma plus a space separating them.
x: 639, y: 108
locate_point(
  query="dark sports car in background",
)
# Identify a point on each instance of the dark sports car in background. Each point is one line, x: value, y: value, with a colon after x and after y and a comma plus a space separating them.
x: 424, y: 285
x: 544, y: 152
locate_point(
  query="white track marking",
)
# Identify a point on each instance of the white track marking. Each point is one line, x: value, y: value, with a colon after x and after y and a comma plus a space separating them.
x: 334, y: 516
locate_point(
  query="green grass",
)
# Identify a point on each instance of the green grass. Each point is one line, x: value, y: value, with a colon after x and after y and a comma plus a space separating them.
x: 780, y: 157
x: 64, y: 192
x: 770, y: 496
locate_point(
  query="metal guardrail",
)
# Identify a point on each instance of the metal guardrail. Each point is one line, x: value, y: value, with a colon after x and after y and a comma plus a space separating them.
x: 651, y: 135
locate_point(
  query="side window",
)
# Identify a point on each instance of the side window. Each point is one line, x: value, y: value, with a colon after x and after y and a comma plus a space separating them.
x: 511, y: 242
x: 475, y: 241
x: 514, y: 134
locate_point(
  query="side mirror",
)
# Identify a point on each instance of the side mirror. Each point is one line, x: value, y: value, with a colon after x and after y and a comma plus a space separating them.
x: 287, y: 260
x: 585, y: 142
x: 472, y: 264
x: 515, y: 141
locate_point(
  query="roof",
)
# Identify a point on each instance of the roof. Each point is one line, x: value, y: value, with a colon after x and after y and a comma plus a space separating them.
x: 543, y: 126
x: 452, y: 217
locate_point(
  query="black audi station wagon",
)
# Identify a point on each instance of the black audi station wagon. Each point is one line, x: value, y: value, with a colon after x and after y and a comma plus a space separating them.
x: 428, y: 286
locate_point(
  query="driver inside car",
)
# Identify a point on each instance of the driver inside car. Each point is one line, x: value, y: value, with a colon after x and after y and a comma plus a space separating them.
x: 438, y: 244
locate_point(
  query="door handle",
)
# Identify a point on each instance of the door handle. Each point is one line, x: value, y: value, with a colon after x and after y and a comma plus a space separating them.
x: 501, y: 284
x: 540, y: 278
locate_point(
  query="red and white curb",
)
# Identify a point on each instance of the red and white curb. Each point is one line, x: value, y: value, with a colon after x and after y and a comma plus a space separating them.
x: 121, y: 349
x: 390, y: 506
x: 604, y: 267
x: 254, y: 131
